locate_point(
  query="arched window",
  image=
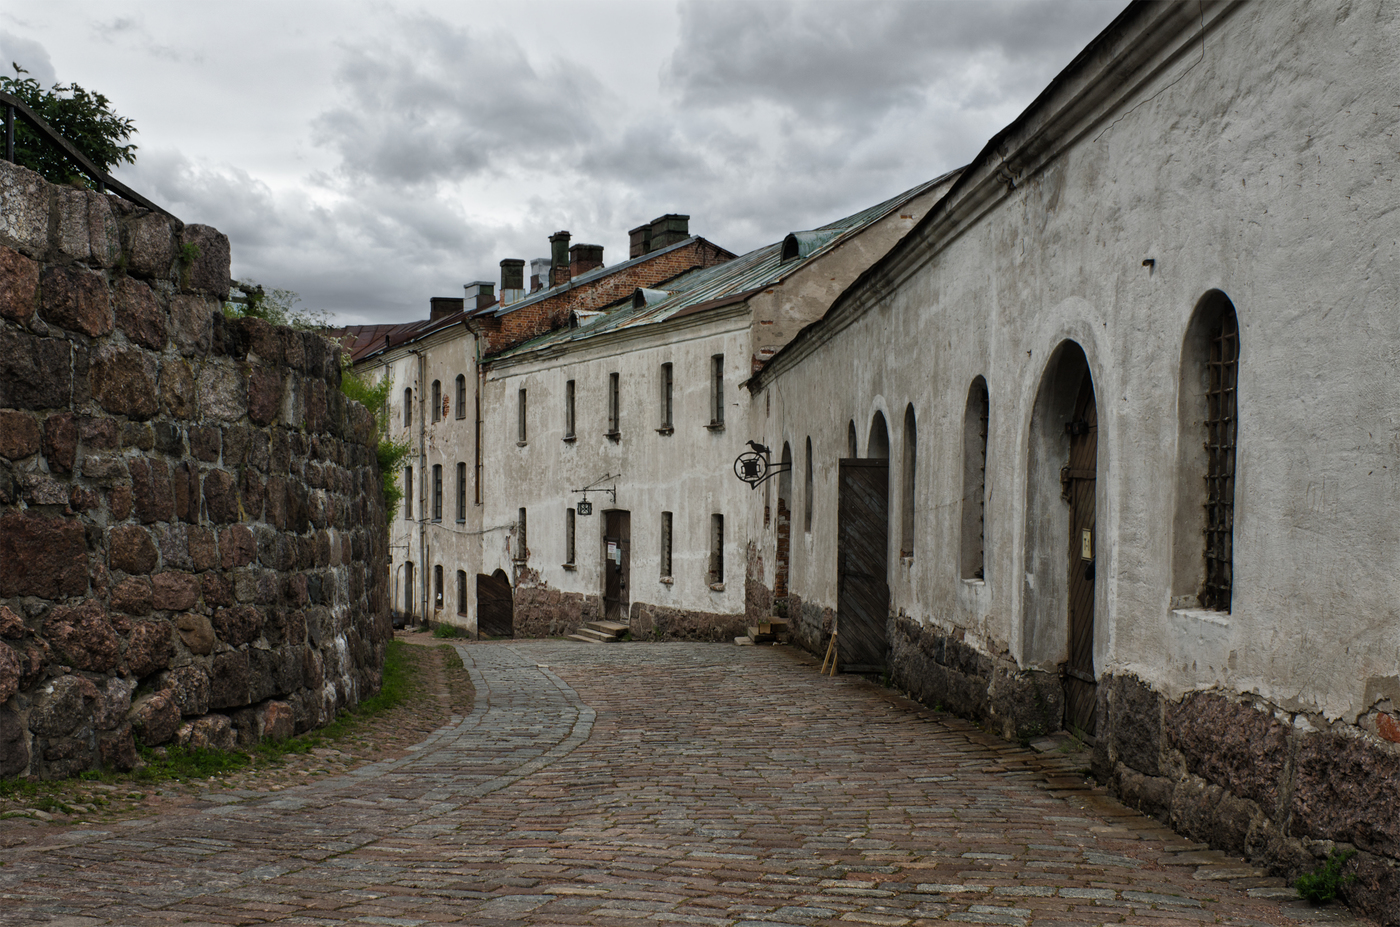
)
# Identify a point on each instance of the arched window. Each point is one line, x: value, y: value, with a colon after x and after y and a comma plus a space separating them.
x: 461, y: 396
x: 1207, y: 409
x: 878, y: 447
x: 407, y: 407
x: 906, y: 496
x: 437, y: 399
x: 852, y: 449
x: 974, y: 499
x: 408, y: 590
x: 807, y: 490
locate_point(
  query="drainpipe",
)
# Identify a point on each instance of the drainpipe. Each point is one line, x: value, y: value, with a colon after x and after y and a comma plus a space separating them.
x: 423, y: 483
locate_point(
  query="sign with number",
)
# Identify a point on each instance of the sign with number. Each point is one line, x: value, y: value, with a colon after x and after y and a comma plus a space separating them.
x: 1086, y: 545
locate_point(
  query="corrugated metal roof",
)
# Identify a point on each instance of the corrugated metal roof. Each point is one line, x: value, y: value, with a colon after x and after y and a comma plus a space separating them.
x: 722, y: 283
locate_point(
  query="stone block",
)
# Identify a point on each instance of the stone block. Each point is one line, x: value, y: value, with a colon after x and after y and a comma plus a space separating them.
x: 35, y: 373
x: 40, y: 556
x: 178, y: 394
x: 217, y: 589
x: 149, y: 648
x: 1135, y: 723
x: 239, y: 624
x: 204, y: 550
x: 173, y: 543
x: 276, y: 721
x: 98, y: 432
x: 14, y: 745
x: 264, y: 395
x: 86, y: 230
x: 223, y: 394
x: 197, y: 632
x: 24, y: 210
x: 61, y: 442
x: 184, y: 485
x: 1208, y: 813
x: 65, y: 756
x: 1345, y: 790
x: 221, y: 497
x: 117, y: 749
x: 82, y: 636
x: 19, y: 286
x: 205, y: 441
x: 39, y: 489
x: 192, y: 324
x: 132, y: 596
x: 62, y: 706
x: 130, y: 549
x: 11, y: 625
x: 123, y: 380
x: 11, y: 672
x: 228, y: 680
x: 19, y: 434
x: 189, y: 688
x: 253, y: 495
x: 1232, y: 744
x: 211, y: 732
x: 155, y: 718
x: 148, y: 240
x: 138, y: 435
x: 113, y: 703
x: 139, y: 314
x: 76, y: 299
x: 237, y: 546
x: 209, y: 272
x: 171, y: 591
x: 152, y: 494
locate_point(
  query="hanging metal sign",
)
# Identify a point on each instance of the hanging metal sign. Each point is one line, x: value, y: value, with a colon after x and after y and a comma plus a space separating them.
x: 753, y: 466
x: 583, y: 506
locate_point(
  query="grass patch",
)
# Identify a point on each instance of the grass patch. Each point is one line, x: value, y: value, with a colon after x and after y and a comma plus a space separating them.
x: 1325, y: 883
x: 446, y: 630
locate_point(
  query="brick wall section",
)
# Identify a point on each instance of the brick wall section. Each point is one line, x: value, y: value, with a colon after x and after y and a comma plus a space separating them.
x: 189, y: 509
x: 520, y: 325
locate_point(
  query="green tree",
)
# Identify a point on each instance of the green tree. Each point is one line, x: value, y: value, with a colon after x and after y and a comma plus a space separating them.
x: 375, y: 397
x: 84, y: 118
x: 276, y: 306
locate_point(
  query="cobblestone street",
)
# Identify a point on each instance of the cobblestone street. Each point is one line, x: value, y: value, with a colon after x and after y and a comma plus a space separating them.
x: 658, y: 783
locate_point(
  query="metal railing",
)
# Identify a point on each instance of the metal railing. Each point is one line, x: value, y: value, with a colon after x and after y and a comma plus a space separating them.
x: 16, y: 108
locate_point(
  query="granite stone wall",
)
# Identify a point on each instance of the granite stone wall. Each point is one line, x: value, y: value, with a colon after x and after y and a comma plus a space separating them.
x: 542, y: 611
x: 663, y: 623
x: 191, y: 524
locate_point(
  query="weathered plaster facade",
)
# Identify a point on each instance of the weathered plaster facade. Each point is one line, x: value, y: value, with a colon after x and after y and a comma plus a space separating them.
x: 1242, y: 150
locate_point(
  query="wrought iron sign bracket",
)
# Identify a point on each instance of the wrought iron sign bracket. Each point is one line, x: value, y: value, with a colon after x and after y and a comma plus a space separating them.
x: 754, y: 466
x: 583, y: 506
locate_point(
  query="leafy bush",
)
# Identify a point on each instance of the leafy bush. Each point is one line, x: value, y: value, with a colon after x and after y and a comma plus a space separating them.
x: 1325, y: 883
x: 391, y: 453
x: 445, y: 630
x: 85, y: 119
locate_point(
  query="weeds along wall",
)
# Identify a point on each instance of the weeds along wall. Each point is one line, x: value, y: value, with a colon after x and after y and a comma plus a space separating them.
x: 191, y: 521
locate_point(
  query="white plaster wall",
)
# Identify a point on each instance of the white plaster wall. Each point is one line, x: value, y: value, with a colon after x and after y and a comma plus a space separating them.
x: 1261, y: 162
x: 688, y: 473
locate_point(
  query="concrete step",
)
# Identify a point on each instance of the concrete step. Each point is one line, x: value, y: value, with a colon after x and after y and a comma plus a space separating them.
x: 593, y: 634
x: 614, y: 627
x: 586, y: 640
x: 759, y: 636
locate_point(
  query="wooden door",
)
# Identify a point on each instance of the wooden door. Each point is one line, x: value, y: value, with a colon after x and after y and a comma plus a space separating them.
x: 495, y: 606
x: 1081, y: 688
x: 862, y: 553
x: 617, y: 543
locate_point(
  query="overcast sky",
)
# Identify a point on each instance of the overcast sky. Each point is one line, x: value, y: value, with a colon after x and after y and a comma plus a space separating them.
x: 370, y: 155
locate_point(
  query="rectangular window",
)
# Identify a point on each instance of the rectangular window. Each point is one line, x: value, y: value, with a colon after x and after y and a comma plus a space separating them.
x: 461, y: 492
x: 461, y: 592
x: 569, y: 536
x: 522, y: 549
x: 407, y: 407
x: 437, y: 492
x: 569, y: 409
x: 717, y: 391
x: 408, y: 494
x: 520, y: 419
x: 437, y: 588
x: 667, y: 422
x: 614, y: 401
x: 461, y: 396
x: 437, y: 399
x: 476, y: 451
x: 666, y: 542
x: 716, y: 549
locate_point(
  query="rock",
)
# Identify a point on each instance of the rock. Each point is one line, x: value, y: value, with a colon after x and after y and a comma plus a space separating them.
x: 132, y: 596
x: 14, y: 745
x: 177, y: 389
x: 197, y: 632
x: 35, y: 373
x: 205, y: 441
x: 45, y: 557
x: 11, y: 671
x: 138, y: 434
x: 39, y: 489
x: 139, y: 314
x: 1344, y: 791
x: 149, y: 648
x: 211, y: 732
x: 238, y: 625
x: 19, y: 435
x: 82, y: 636
x: 66, y: 756
x: 119, y: 501
x: 62, y: 706
x: 148, y: 240
x: 130, y: 549
x: 221, y: 497
x: 1231, y: 744
x: 19, y: 286
x: 76, y: 299
x: 192, y: 324
x: 237, y: 546
x: 228, y: 680
x: 223, y: 395
x: 264, y: 395
x: 189, y: 687
x: 150, y: 489
x: 184, y: 481
x: 217, y: 589
x: 204, y: 550
x: 11, y: 625
x: 275, y: 721
x: 173, y: 543
x: 61, y: 442
x: 117, y: 749
x: 155, y: 717
x: 86, y: 230
x: 172, y: 591
x: 24, y: 209
x: 113, y: 703
x: 123, y: 380
x: 209, y: 272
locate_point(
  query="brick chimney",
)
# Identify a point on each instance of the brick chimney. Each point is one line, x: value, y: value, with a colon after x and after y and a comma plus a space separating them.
x: 512, y: 281
x: 583, y: 258
x: 539, y: 274
x: 640, y: 240
x: 480, y: 294
x: 439, y: 306
x: 559, y: 259
x: 661, y: 232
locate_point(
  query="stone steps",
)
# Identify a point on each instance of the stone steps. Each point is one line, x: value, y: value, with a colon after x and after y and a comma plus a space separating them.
x: 600, y: 632
x: 765, y: 632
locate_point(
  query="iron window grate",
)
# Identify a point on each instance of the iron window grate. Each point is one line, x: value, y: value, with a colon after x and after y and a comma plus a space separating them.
x: 1222, y: 371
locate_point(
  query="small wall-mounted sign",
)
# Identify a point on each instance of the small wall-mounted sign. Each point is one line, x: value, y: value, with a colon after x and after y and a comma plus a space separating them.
x: 584, y: 507
x: 1086, y: 545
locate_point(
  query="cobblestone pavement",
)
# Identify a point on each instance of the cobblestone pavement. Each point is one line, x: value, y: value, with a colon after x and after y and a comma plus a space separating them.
x: 658, y: 783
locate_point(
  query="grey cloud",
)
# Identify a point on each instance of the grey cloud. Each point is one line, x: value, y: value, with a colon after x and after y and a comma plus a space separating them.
x: 29, y: 55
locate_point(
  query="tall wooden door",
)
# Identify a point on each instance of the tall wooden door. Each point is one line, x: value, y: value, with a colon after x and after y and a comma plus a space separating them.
x: 495, y: 605
x: 617, y: 562
x: 1081, y: 688
x: 862, y: 553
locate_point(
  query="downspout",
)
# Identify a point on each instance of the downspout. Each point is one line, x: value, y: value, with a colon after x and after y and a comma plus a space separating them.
x: 423, y: 483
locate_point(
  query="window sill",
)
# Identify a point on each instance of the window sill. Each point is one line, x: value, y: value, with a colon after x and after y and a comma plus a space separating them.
x: 570, y: 439
x: 437, y: 521
x: 715, y: 426
x: 666, y: 430
x: 613, y: 436
x: 521, y: 443
x: 668, y: 580
x: 570, y: 566
x: 1207, y: 615
x: 461, y: 521
x: 973, y: 581
x: 716, y: 587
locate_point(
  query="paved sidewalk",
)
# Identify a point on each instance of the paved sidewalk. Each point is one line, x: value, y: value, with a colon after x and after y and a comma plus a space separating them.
x: 657, y: 784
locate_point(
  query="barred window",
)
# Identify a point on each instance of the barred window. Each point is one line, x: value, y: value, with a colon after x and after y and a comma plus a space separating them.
x: 1222, y: 372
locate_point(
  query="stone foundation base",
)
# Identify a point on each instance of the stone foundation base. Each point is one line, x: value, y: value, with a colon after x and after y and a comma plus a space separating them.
x: 659, y: 623
x: 544, y: 612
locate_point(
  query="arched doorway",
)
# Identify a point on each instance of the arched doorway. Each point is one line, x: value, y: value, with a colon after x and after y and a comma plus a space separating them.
x: 495, y: 605
x: 1061, y: 538
x: 862, y: 554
